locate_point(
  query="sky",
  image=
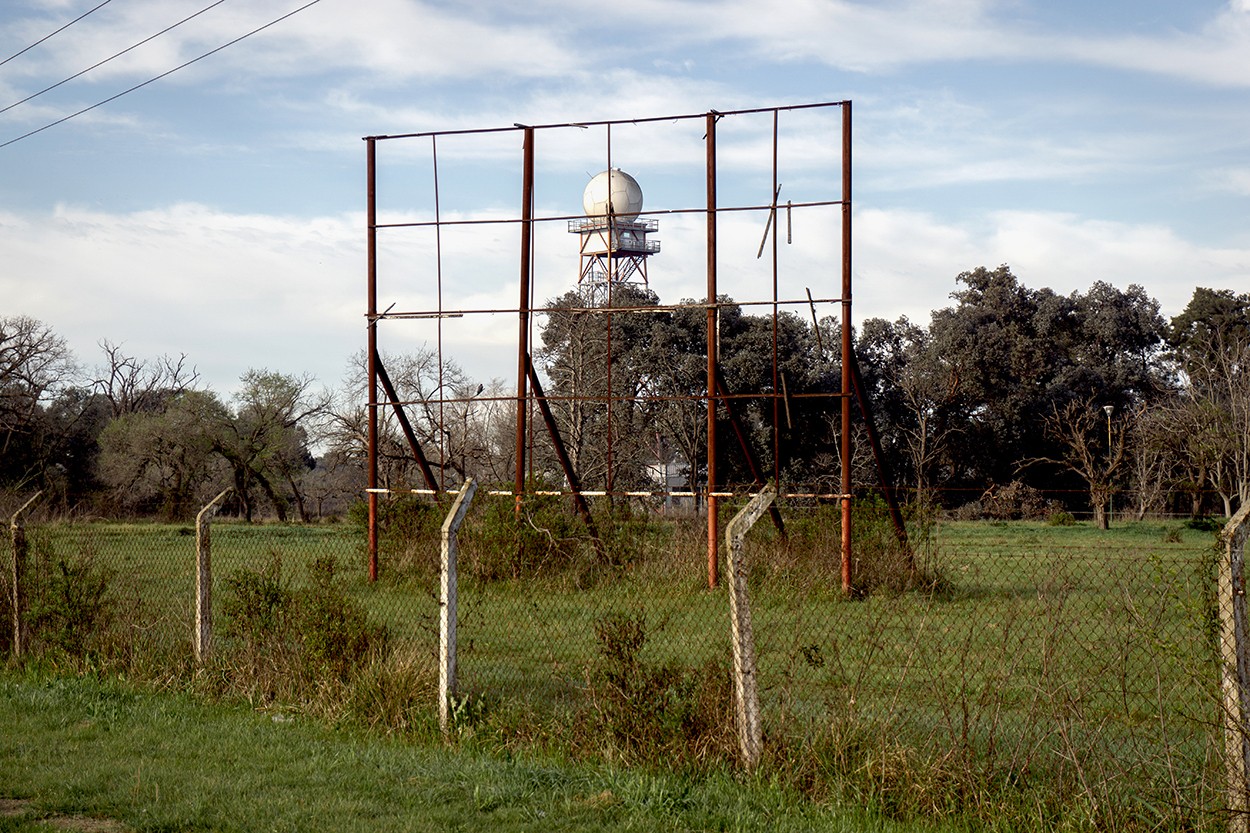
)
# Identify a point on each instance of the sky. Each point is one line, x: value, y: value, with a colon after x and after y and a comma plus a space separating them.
x: 219, y: 211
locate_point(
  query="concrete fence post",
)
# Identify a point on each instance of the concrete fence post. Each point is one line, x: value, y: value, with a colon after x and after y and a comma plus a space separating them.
x: 1235, y: 669
x: 746, y: 689
x: 447, y: 603
x: 17, y: 533
x: 204, y: 578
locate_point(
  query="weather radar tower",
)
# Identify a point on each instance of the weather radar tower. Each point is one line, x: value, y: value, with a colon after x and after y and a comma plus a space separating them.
x: 614, y: 244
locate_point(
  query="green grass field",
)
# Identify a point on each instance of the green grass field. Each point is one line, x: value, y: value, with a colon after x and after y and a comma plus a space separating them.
x: 88, y: 755
x: 1064, y: 673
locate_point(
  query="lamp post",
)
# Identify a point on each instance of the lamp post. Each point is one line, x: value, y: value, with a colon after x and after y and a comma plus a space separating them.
x: 1109, y: 409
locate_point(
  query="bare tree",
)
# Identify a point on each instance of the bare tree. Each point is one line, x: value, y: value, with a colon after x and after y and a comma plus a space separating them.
x: 134, y: 385
x: 1153, y: 459
x: 36, y: 366
x: 463, y: 427
x: 1093, y: 447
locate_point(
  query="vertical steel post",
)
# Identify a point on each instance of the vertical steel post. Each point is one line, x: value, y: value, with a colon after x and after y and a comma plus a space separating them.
x: 372, y: 257
x: 523, y: 348
x: 609, y: 480
x: 713, y: 566
x: 778, y: 381
x: 847, y: 382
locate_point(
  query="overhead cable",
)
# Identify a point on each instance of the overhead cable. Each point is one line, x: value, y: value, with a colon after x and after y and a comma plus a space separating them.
x: 159, y: 77
x: 57, y: 32
x: 111, y: 57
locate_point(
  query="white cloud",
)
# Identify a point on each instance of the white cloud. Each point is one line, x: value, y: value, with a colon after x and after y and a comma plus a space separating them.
x: 906, y: 262
x: 231, y: 291
x: 237, y: 291
x: 391, y: 40
x: 1233, y: 180
x: 875, y: 38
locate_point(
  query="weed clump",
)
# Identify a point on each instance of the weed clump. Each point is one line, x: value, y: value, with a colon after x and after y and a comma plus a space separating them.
x: 72, y: 607
x: 337, y: 635
x: 1060, y: 517
x: 1015, y: 501
x: 639, y: 711
x: 1204, y: 523
x: 542, y: 539
x: 283, y: 637
x: 256, y: 606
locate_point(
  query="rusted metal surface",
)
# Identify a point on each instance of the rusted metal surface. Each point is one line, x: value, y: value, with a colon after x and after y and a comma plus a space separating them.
x: 713, y: 348
x: 523, y: 310
x: 778, y: 380
x: 581, y: 125
x: 711, y: 469
x: 883, y: 469
x: 372, y: 351
x: 847, y: 349
x: 553, y: 430
x: 413, y: 445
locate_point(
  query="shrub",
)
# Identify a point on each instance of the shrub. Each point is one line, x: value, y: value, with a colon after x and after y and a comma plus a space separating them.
x: 545, y: 538
x: 256, y: 605
x: 71, y: 606
x: 408, y: 534
x: 882, y: 561
x: 1013, y: 502
x: 970, y: 511
x: 1060, y: 518
x: 336, y: 634
x: 645, y: 712
x: 287, y: 635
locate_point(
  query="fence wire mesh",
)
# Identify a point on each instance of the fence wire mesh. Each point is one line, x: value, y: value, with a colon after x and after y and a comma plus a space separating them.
x: 991, y: 656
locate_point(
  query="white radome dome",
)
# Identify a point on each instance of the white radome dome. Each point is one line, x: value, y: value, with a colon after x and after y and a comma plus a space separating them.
x: 615, y: 189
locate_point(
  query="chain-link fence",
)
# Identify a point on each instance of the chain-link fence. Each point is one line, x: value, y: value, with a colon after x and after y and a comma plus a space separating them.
x: 1048, y: 667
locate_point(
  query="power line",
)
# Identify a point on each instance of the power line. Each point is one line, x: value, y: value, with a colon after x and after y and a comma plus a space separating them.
x: 159, y: 77
x: 57, y: 32
x: 111, y: 57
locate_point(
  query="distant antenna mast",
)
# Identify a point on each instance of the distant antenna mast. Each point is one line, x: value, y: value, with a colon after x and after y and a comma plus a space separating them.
x: 614, y: 244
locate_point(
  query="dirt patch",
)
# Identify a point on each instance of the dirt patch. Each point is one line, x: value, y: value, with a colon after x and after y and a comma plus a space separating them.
x: 83, y: 824
x: 12, y: 808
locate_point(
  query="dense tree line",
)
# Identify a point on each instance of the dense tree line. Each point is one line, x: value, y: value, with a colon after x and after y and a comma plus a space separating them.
x: 1085, y: 396
x: 141, y: 437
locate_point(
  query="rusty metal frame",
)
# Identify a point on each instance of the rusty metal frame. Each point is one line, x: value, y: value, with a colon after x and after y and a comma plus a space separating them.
x: 717, y: 396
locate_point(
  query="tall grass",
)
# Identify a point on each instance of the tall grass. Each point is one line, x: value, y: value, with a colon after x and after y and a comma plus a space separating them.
x: 1019, y: 675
